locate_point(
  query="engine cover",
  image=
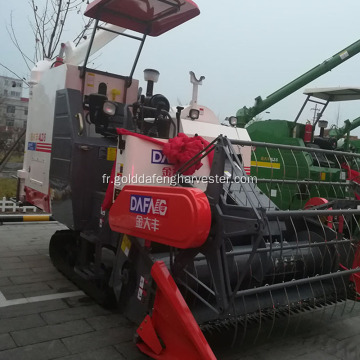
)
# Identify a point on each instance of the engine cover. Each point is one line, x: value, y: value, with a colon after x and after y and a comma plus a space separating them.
x: 173, y: 216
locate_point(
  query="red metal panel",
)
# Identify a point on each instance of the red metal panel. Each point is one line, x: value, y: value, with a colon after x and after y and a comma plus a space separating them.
x: 316, y: 201
x: 173, y: 322
x: 174, y: 216
x: 37, y: 198
x: 151, y: 17
x: 148, y: 334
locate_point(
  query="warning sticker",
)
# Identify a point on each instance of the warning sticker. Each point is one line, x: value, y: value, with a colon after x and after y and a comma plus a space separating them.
x: 111, y: 154
x: 126, y: 245
x: 90, y: 79
x: 141, y: 288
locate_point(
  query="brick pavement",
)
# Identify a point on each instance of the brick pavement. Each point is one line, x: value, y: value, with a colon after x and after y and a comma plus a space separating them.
x: 76, y: 328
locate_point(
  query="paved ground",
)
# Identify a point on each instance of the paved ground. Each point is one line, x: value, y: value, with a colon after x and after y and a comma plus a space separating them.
x: 44, y: 316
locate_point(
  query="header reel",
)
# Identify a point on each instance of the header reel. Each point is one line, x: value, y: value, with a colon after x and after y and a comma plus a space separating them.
x: 258, y: 262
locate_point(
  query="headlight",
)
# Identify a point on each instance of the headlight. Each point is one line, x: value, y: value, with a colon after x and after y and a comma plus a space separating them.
x: 232, y: 120
x: 109, y: 108
x: 194, y: 114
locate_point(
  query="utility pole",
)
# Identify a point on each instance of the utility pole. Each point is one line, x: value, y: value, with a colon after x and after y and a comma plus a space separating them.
x: 316, y: 110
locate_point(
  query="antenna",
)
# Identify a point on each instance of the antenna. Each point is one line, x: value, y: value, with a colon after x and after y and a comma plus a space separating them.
x: 338, y: 116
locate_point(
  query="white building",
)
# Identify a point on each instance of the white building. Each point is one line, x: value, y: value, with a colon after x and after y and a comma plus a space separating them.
x: 13, y: 107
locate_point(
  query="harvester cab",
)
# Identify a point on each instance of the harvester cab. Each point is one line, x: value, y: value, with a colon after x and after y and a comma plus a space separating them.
x: 323, y: 97
x: 179, y: 237
x: 333, y: 138
x: 68, y: 83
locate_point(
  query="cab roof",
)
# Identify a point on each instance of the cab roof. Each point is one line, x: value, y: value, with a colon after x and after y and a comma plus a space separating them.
x: 150, y: 17
x: 334, y: 93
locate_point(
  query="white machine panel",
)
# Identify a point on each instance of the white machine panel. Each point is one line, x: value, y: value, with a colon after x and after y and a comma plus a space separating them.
x: 40, y: 127
x: 211, y: 131
x: 143, y: 163
x: 116, y: 87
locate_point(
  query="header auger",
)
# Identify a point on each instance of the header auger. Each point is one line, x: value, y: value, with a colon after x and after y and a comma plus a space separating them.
x: 196, y: 246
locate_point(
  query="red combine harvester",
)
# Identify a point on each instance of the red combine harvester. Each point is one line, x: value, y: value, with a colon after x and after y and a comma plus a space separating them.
x: 197, y: 246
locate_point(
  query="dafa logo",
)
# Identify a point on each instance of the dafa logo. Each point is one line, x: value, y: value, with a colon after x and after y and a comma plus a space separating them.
x: 158, y: 157
x: 145, y: 205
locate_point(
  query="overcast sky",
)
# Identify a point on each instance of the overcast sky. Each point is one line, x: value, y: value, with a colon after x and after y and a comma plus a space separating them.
x: 244, y: 48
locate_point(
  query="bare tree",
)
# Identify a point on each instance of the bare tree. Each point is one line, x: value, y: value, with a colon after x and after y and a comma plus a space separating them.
x: 48, y: 23
x: 2, y: 116
x: 3, y: 135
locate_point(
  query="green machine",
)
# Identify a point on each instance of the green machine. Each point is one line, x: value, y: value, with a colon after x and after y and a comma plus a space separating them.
x: 245, y: 115
x: 322, y: 162
x: 291, y: 164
